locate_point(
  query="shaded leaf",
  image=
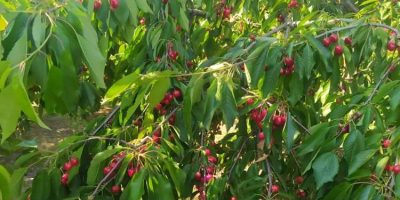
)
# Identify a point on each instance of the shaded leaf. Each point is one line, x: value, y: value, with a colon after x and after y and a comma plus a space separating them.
x: 325, y: 167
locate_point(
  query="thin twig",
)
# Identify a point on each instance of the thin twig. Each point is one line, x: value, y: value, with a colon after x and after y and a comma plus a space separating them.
x: 282, y: 26
x: 301, y: 125
x: 105, y: 121
x: 269, y: 178
x: 97, y: 138
x: 380, y: 82
x: 237, y: 158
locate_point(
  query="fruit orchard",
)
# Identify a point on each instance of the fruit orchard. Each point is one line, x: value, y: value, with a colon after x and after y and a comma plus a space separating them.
x: 234, y: 99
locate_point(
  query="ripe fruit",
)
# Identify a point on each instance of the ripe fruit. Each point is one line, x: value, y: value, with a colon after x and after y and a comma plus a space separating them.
x: 172, y: 137
x: 189, y: 63
x: 289, y: 61
x: 338, y: 50
x: 389, y: 167
x: 250, y: 101
x: 252, y: 37
x: 274, y: 189
x: 212, y: 159
x: 143, y: 21
x: 64, y: 179
x: 178, y: 28
x: 391, y: 46
x: 326, y: 42
x: 210, y: 170
x: 74, y: 161
x: 279, y: 120
x: 97, y: 5
x: 301, y: 193
x: 299, y: 180
x: 202, y: 196
x: 396, y: 169
x: 209, y: 177
x: 176, y: 93
x: 261, y: 135
x: 233, y: 198
x: 333, y: 38
x: 67, y: 166
x: 386, y: 143
x: 159, y: 106
x: 347, y: 41
x: 106, y: 170
x: 373, y: 176
x: 392, y: 68
x: 115, y: 189
x: 198, y: 176
x: 208, y: 152
x: 114, y: 4
x: 131, y: 172
x: 64, y: 176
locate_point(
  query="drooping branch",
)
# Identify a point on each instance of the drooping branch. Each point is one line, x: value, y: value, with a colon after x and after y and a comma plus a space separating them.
x: 106, y: 120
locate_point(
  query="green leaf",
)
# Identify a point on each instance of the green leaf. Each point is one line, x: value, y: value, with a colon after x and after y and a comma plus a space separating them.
x: 211, y: 104
x: 134, y: 11
x: 177, y: 175
x: 19, y: 51
x: 316, y: 139
x: 395, y: 98
x: 38, y: 30
x: 40, y: 186
x: 162, y: 189
x: 4, y: 71
x: 291, y: 131
x: 183, y: 20
x: 324, y: 53
x: 94, y: 169
x: 71, y: 86
x: 10, y: 112
x: 142, y: 5
x: 380, y: 166
x: 338, y: 192
x: 308, y: 61
x: 227, y: 103
x: 360, y: 159
x: 135, y: 188
x: 122, y: 170
x: 325, y: 167
x: 23, y: 158
x: 397, y: 186
x: 255, y: 68
x: 364, y: 193
x: 160, y: 87
x: 16, y: 181
x: 5, y: 184
x: 296, y: 89
x: 74, y: 171
x: 270, y: 80
x: 384, y: 90
x: 353, y: 145
x: 94, y: 59
x: 55, y: 180
x: 121, y: 85
x: 361, y: 173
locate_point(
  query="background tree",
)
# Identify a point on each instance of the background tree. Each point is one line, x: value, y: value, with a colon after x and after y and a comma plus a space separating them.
x: 236, y: 99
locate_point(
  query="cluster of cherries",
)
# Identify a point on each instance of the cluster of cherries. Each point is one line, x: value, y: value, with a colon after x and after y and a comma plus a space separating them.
x: 289, y: 64
x: 168, y: 98
x: 293, y: 4
x: 226, y: 12
x: 333, y: 39
x: 202, y: 178
x: 173, y: 54
x: 97, y: 4
x: 66, y: 167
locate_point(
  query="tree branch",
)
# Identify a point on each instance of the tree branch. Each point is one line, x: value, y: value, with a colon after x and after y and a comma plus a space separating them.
x: 301, y: 125
x: 380, y: 82
x: 111, y: 115
x: 197, y: 12
x: 237, y: 158
x: 282, y: 26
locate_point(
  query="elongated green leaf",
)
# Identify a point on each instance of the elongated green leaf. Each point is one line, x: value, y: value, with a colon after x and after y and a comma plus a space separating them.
x: 325, y: 55
x: 291, y: 131
x: 178, y: 176
x: 353, y: 145
x: 135, y: 189
x: 360, y: 159
x: 384, y: 90
x: 4, y: 71
x: 10, y: 112
x: 162, y: 189
x: 5, y: 184
x: 134, y: 11
x: 23, y: 158
x: 363, y: 193
x: 38, y: 30
x: 124, y: 166
x: 211, y: 104
x: 359, y: 174
x: 397, y: 186
x: 142, y: 4
x: 395, y: 98
x: 40, y: 186
x: 71, y: 86
x: 308, y: 62
x: 255, y: 68
x: 121, y: 85
x: 183, y: 20
x: 94, y: 60
x: 94, y: 169
x: 325, y: 167
x: 270, y: 80
x: 296, y: 89
x: 380, y: 166
x: 160, y: 87
x: 19, y: 51
x: 316, y: 139
x: 227, y: 103
x: 55, y: 180
x: 16, y: 181
x: 338, y: 192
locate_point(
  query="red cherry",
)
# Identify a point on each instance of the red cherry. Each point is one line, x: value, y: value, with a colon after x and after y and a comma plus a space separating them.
x: 282, y: 71
x: 114, y: 4
x: 176, y: 93
x: 338, y: 50
x: 299, y: 179
x: 208, y: 152
x: 97, y: 5
x: 64, y: 176
x: 274, y: 189
x: 114, y: 165
x: 157, y: 133
x: 373, y: 176
x: 136, y: 123
x: 213, y: 143
x: 347, y: 41
x: 212, y: 159
x: 198, y: 176
x: 386, y: 143
x: 291, y: 68
x: 389, y: 167
x: 210, y: 170
x: 156, y: 139
x: 250, y: 101
x: 287, y: 72
x: 165, y: 1
x: 242, y: 67
x: 172, y: 120
x: 143, y: 21
x: 278, y: 120
x: 202, y: 196
x: 346, y: 129
x: 64, y: 182
x: 233, y: 198
x: 392, y: 68
x: 67, y: 166
x: 115, y: 189
x: 288, y: 61
x: 106, y: 170
x: 222, y: 3
x: 189, y: 63
x: 391, y: 46
x: 74, y: 161
x: 396, y: 169
x: 261, y: 136
x: 159, y: 106
x: 240, y: 107
x: 326, y: 42
x: 333, y: 38
x: 131, y: 172
x: 172, y: 137
x: 209, y: 177
x: 178, y: 28
x: 252, y: 37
